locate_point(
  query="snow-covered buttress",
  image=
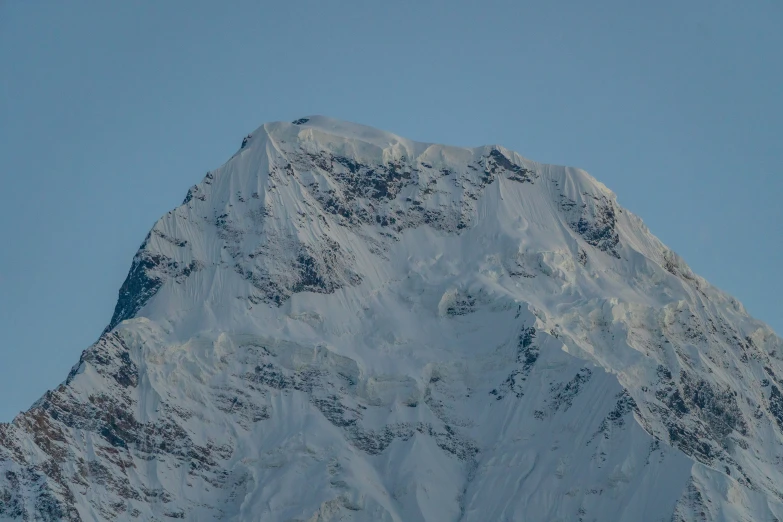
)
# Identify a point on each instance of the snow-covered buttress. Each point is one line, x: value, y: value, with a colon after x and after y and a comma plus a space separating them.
x: 343, y: 324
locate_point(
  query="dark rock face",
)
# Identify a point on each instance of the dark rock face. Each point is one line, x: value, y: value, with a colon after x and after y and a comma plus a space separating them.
x: 147, y: 274
x: 616, y: 418
x: 463, y: 304
x: 321, y: 267
x: 699, y: 417
x: 327, y: 393
x: 369, y: 194
x: 328, y: 396
x: 595, y: 222
x: 140, y: 285
x: 527, y: 355
x: 563, y: 395
x: 692, y: 506
x: 316, y: 274
x: 717, y: 407
x: 497, y: 162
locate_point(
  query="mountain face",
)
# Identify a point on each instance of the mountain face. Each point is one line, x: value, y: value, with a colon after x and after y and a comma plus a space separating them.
x: 342, y: 324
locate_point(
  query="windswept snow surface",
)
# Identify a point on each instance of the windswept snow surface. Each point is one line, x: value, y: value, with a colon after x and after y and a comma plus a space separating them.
x: 343, y: 324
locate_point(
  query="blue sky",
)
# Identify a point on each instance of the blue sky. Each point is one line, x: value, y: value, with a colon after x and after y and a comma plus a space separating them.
x: 109, y: 111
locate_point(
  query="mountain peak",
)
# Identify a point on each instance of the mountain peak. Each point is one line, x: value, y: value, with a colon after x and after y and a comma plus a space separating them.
x: 405, y: 331
x: 344, y: 129
x: 322, y: 128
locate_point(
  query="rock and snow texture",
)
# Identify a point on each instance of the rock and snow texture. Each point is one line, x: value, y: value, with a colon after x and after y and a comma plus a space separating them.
x: 342, y: 324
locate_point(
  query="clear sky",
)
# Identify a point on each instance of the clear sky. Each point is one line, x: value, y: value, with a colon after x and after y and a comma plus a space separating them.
x: 109, y: 111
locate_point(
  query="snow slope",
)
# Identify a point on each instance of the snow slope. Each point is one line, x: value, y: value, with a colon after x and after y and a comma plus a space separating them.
x: 343, y: 324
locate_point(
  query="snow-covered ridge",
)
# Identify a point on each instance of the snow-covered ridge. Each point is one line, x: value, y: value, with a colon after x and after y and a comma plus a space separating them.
x: 407, y: 332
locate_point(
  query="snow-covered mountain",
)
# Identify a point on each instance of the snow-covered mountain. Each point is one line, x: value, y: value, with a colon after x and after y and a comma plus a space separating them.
x: 343, y: 324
